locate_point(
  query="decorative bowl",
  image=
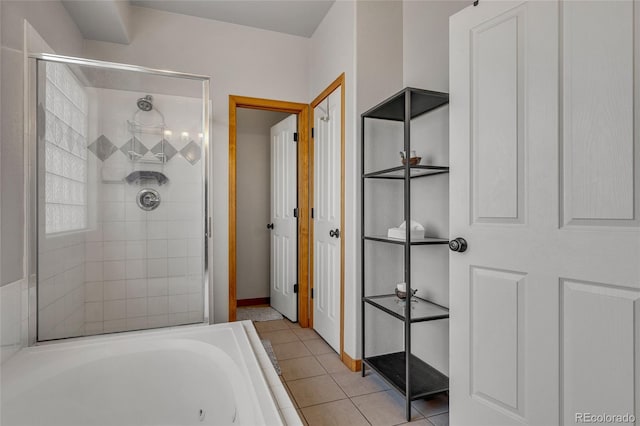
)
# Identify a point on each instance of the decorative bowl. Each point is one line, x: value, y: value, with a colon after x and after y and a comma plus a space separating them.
x: 403, y: 294
x: 413, y: 161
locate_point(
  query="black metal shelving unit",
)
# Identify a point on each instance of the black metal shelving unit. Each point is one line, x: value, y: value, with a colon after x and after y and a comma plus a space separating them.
x: 407, y: 373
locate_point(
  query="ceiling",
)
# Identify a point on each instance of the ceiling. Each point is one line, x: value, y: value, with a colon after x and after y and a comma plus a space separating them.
x: 296, y: 17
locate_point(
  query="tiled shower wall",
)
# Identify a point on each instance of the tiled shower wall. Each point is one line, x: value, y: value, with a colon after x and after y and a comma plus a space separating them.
x: 144, y: 269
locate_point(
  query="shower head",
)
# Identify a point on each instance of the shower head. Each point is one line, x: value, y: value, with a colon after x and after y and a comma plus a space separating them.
x: 146, y: 103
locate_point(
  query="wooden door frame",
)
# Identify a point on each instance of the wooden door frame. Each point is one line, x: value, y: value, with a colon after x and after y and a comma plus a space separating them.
x: 302, y: 111
x: 337, y: 83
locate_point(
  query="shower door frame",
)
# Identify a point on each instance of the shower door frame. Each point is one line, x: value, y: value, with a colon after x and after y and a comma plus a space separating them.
x: 31, y: 177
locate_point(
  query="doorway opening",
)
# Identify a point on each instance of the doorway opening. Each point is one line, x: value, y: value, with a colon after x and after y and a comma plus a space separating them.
x: 268, y: 206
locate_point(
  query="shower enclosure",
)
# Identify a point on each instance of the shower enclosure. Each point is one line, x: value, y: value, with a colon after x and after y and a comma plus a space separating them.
x: 119, y: 205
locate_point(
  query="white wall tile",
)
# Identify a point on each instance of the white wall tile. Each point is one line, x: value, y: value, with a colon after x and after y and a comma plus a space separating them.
x: 157, y: 230
x: 114, y: 192
x: 177, y: 266
x: 93, y: 292
x: 91, y: 328
x: 177, y: 248
x: 179, y: 318
x: 114, y: 270
x: 93, y: 251
x: 136, y: 249
x: 156, y: 268
x: 93, y: 271
x: 195, y: 247
x: 114, y: 231
x: 114, y: 250
x: 136, y: 307
x: 136, y: 269
x: 136, y: 288
x: 178, y: 303
x: 177, y: 229
x: 115, y: 309
x: 158, y: 305
x: 113, y: 290
x: 157, y: 287
x: 112, y: 212
x: 138, y: 323
x: 154, y: 321
x: 135, y: 231
x: 132, y: 212
x: 195, y: 302
x: 177, y: 285
x: 115, y: 325
x: 156, y: 249
x: 93, y: 311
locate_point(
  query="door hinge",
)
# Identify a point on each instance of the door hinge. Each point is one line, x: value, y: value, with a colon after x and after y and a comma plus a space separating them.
x: 312, y: 213
x: 312, y: 132
x: 295, y: 288
x: 312, y: 293
x: 295, y: 212
x: 295, y: 136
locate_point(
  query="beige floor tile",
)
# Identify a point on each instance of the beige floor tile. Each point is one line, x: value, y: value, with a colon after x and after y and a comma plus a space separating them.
x: 384, y: 408
x: 279, y: 336
x: 421, y: 422
x: 440, y: 420
x: 292, y: 324
x: 331, y: 362
x: 306, y: 333
x: 304, y: 421
x: 353, y: 384
x: 335, y: 413
x: 262, y: 326
x: 318, y: 346
x: 290, y: 395
x: 301, y: 368
x: 290, y: 350
x: 315, y: 390
x: 432, y: 406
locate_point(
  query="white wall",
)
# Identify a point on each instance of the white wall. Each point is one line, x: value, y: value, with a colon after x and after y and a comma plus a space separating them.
x: 332, y: 52
x: 241, y: 61
x: 51, y: 21
x: 253, y: 165
x: 426, y: 65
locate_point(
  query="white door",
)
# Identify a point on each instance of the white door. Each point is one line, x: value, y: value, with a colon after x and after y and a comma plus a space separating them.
x: 545, y: 302
x: 326, y: 218
x: 284, y: 236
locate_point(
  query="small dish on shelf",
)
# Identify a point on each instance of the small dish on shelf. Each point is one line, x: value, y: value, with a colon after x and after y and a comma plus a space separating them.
x: 413, y: 161
x: 402, y: 295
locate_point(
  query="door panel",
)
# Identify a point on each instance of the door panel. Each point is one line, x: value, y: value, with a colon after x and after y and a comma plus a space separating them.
x: 284, y: 232
x: 598, y: 135
x: 544, y: 303
x: 497, y: 138
x: 327, y: 177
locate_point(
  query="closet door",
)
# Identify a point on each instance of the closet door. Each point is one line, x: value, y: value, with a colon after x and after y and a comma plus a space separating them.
x: 284, y: 237
x: 545, y: 302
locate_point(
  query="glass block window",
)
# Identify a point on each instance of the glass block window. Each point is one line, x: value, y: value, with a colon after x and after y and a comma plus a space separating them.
x: 65, y: 151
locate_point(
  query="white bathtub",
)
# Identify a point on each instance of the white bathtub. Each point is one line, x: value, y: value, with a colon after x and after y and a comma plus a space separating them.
x: 200, y: 375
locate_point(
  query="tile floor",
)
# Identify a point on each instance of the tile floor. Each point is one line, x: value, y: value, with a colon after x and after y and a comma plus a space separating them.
x: 326, y: 392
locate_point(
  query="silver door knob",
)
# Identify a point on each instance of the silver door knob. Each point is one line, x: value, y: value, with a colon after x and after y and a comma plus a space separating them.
x: 459, y: 244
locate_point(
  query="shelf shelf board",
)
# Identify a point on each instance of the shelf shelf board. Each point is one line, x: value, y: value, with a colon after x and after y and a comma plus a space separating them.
x: 399, y: 172
x: 421, y: 309
x: 425, y: 380
x: 416, y: 242
x: 422, y: 101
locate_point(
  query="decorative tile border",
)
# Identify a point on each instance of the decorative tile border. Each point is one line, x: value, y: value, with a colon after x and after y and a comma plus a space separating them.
x: 133, y: 149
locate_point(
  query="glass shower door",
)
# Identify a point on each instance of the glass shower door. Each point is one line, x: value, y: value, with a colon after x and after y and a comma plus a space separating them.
x: 120, y: 199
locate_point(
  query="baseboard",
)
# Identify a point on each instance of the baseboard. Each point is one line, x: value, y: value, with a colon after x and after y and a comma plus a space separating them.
x: 253, y: 302
x: 352, y: 364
